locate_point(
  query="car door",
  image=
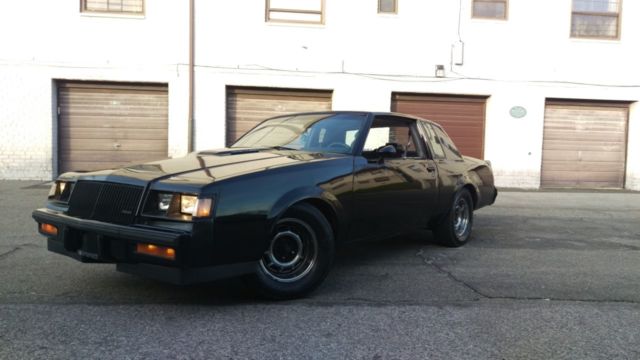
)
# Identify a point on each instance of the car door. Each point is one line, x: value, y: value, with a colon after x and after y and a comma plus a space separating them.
x: 394, y: 190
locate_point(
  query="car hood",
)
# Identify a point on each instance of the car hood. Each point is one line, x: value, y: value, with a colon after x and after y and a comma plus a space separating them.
x: 201, y: 168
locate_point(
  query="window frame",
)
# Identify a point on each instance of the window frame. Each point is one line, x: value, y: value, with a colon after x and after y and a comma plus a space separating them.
x: 395, y: 8
x: 447, y: 144
x: 422, y: 151
x: 429, y: 133
x: 506, y: 10
x: 84, y: 10
x: 268, y: 10
x: 595, y: 13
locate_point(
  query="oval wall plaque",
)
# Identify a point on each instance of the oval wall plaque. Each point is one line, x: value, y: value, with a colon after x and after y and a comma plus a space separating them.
x: 518, y: 112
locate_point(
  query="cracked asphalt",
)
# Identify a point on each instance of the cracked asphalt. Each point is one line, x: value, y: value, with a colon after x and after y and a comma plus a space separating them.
x: 547, y: 275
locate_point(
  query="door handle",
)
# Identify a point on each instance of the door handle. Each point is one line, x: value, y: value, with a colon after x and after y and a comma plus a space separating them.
x: 431, y: 168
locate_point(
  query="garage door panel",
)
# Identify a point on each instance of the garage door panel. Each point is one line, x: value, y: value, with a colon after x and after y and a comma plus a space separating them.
x: 450, y: 112
x: 130, y: 121
x: 135, y: 103
x: 604, y: 177
x: 115, y: 133
x: 590, y: 165
x: 611, y: 129
x: 83, y: 99
x: 594, y: 156
x: 283, y: 107
x: 102, y: 111
x: 112, y: 145
x: 247, y: 107
x: 584, y: 136
x: 584, y: 145
x: 108, y: 125
x: 123, y: 156
x: 594, y: 146
x: 462, y: 117
x: 582, y: 184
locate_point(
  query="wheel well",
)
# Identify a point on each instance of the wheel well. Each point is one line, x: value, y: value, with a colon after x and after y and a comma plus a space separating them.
x: 474, y: 194
x: 328, y: 213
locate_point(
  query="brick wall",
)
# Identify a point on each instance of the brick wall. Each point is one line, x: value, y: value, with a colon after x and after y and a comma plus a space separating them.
x: 26, y: 124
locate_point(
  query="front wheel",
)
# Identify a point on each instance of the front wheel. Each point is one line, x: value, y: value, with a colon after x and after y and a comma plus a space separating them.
x: 455, y: 229
x: 299, y: 254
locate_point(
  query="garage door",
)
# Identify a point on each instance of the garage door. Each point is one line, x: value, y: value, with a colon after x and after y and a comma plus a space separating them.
x: 584, y: 145
x: 106, y: 125
x: 461, y: 116
x: 246, y: 107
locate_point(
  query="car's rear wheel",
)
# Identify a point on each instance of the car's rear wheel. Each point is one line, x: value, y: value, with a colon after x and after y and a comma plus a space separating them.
x: 299, y: 254
x: 455, y: 229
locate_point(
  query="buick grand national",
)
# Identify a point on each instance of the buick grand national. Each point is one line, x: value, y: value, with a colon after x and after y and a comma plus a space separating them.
x: 274, y: 205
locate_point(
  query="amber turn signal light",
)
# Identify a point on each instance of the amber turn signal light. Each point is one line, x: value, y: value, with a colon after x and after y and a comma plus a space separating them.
x: 203, y: 208
x: 48, y: 229
x: 157, y: 251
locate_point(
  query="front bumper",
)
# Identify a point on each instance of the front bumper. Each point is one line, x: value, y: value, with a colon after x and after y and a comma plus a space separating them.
x: 95, y: 241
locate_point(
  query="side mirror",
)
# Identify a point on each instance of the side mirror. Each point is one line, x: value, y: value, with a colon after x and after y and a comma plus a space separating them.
x: 387, y: 151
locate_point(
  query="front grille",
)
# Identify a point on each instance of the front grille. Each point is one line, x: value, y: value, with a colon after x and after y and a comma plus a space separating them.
x: 103, y: 201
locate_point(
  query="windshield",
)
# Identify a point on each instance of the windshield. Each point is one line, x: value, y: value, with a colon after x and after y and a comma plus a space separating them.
x: 336, y: 133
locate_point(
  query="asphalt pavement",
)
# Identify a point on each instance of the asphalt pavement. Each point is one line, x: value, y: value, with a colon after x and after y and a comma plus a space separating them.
x: 547, y: 275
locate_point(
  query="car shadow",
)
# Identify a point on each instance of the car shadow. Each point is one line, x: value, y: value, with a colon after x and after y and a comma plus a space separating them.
x: 237, y: 291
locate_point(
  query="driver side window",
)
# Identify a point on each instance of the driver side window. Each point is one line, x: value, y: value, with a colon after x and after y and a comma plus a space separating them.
x: 397, y: 132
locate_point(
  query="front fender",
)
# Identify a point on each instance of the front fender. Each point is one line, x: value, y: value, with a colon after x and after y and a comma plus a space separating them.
x: 324, y: 200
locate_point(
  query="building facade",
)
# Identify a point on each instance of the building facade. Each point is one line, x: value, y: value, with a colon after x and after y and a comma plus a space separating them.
x: 546, y: 90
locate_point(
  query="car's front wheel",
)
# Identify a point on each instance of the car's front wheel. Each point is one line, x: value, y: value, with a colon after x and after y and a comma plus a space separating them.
x: 455, y: 229
x: 298, y: 256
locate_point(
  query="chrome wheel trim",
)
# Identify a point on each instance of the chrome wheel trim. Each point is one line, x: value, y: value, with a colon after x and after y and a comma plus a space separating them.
x: 296, y: 253
x: 461, y: 217
x: 303, y: 260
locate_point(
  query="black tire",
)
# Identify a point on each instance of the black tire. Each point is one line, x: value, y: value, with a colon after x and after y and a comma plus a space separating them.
x: 455, y: 228
x: 299, y: 255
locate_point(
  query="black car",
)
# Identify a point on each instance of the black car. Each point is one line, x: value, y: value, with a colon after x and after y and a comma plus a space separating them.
x: 274, y: 205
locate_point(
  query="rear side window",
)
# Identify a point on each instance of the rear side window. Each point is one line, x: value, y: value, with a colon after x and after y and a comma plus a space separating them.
x: 450, y: 150
x: 434, y: 144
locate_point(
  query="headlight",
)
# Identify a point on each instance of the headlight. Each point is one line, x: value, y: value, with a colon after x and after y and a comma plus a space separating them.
x: 177, y: 206
x: 61, y: 190
x: 164, y: 201
x: 188, y: 204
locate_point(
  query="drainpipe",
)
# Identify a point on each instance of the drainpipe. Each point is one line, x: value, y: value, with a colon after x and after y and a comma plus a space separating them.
x: 191, y: 73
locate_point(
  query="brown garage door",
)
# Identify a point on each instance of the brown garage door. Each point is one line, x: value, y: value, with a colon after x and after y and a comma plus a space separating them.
x: 584, y: 144
x: 461, y: 116
x: 246, y: 107
x: 106, y: 125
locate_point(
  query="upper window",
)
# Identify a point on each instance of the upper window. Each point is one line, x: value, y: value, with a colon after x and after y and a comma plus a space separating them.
x: 113, y: 6
x: 387, y: 6
x: 596, y: 19
x: 436, y: 147
x: 443, y: 139
x: 390, y: 131
x: 490, y: 9
x: 295, y: 11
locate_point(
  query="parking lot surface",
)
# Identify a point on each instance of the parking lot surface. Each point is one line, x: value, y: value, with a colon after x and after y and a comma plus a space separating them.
x: 547, y: 275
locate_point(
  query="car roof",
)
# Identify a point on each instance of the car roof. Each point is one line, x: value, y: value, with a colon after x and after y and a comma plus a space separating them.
x: 372, y: 113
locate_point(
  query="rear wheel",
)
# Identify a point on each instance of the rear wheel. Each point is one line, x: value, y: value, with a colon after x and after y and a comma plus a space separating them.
x: 299, y: 254
x: 455, y: 229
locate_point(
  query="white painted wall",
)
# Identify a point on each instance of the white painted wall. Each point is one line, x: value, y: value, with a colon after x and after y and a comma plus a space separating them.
x: 633, y: 149
x: 361, y: 55
x: 57, y: 42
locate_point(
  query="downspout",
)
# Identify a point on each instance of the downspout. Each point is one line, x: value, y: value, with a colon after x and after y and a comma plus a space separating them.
x: 457, y: 48
x: 190, y: 120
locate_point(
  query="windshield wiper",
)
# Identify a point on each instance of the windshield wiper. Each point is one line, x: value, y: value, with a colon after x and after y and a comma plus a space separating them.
x: 281, y: 148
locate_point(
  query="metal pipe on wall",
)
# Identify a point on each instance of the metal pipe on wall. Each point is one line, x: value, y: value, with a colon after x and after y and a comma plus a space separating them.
x: 191, y: 75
